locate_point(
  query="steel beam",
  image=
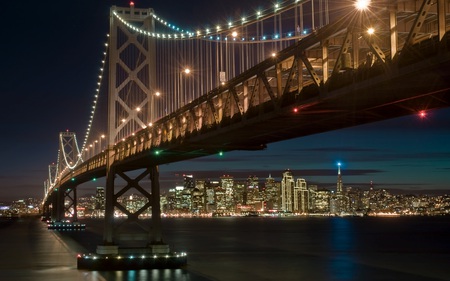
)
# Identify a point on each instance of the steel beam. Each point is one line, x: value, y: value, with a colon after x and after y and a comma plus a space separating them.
x: 418, y: 22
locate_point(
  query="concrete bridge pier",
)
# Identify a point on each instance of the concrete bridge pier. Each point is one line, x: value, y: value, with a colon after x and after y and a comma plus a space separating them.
x: 59, y: 210
x: 132, y: 243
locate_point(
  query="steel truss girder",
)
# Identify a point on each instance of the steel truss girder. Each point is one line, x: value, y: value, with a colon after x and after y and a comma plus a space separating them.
x: 418, y: 22
x: 343, y: 50
x: 375, y: 49
x: 71, y: 194
x: 310, y: 69
x: 114, y: 231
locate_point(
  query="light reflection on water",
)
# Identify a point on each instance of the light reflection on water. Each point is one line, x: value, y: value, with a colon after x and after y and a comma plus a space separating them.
x: 338, y: 249
x: 144, y: 275
x: 341, y: 263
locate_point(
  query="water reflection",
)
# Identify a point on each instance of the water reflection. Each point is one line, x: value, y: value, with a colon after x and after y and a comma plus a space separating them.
x: 143, y: 275
x: 342, y: 260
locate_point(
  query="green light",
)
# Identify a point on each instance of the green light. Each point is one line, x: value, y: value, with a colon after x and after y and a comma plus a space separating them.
x: 94, y: 179
x: 221, y: 153
x: 73, y: 179
x: 157, y: 152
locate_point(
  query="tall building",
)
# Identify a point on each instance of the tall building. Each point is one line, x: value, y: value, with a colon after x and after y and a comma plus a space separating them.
x: 339, y: 187
x: 100, y: 198
x: 287, y: 191
x: 303, y: 196
x: 225, y: 194
x: 272, y: 194
x: 252, y: 192
x: 321, y: 201
x: 337, y: 201
x: 188, y: 182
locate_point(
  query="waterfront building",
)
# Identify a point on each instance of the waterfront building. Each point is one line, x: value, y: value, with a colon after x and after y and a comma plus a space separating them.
x: 188, y: 182
x: 287, y: 191
x: 272, y: 194
x: 302, y: 196
x: 100, y: 198
x: 254, y: 198
x: 210, y: 199
x: 321, y: 201
x: 225, y: 194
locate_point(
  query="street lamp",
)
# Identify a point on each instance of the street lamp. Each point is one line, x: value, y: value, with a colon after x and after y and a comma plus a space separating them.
x: 100, y: 143
x: 362, y: 4
x: 181, y: 90
x: 152, y: 106
x: 225, y: 73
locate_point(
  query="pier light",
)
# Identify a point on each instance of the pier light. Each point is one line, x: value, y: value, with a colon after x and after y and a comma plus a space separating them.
x: 370, y: 30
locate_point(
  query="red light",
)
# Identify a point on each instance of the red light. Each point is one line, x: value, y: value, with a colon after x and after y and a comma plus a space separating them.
x: 422, y: 114
x: 295, y: 110
x: 131, y: 3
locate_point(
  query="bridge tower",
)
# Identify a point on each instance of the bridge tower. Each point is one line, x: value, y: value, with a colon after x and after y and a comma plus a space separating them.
x: 68, y: 158
x: 132, y: 78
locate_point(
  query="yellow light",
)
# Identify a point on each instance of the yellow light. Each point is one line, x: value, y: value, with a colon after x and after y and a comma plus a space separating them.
x: 371, y: 31
x: 362, y: 4
x: 234, y: 34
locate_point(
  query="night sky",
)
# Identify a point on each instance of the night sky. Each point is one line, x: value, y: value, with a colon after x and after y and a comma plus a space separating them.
x: 50, y: 56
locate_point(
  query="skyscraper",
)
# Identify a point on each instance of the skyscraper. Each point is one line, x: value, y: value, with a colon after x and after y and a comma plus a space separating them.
x: 303, y: 196
x: 100, y: 198
x: 272, y: 194
x: 287, y: 191
x: 339, y: 187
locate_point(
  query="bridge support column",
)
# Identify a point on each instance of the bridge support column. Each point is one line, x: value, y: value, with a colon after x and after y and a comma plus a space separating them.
x: 108, y: 247
x: 122, y: 248
x: 59, y: 205
x: 156, y: 244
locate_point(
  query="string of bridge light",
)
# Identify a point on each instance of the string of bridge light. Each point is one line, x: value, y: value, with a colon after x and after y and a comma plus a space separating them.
x: 209, y: 33
x: 96, y: 96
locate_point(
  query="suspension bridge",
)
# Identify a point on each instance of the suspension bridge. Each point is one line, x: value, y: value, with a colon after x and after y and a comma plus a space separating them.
x: 167, y: 93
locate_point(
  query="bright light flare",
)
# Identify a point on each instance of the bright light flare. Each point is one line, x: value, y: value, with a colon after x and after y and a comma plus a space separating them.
x: 362, y: 4
x: 370, y: 31
x: 422, y: 114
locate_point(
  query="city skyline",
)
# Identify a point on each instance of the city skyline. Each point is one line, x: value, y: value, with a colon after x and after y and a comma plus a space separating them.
x: 48, y: 85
